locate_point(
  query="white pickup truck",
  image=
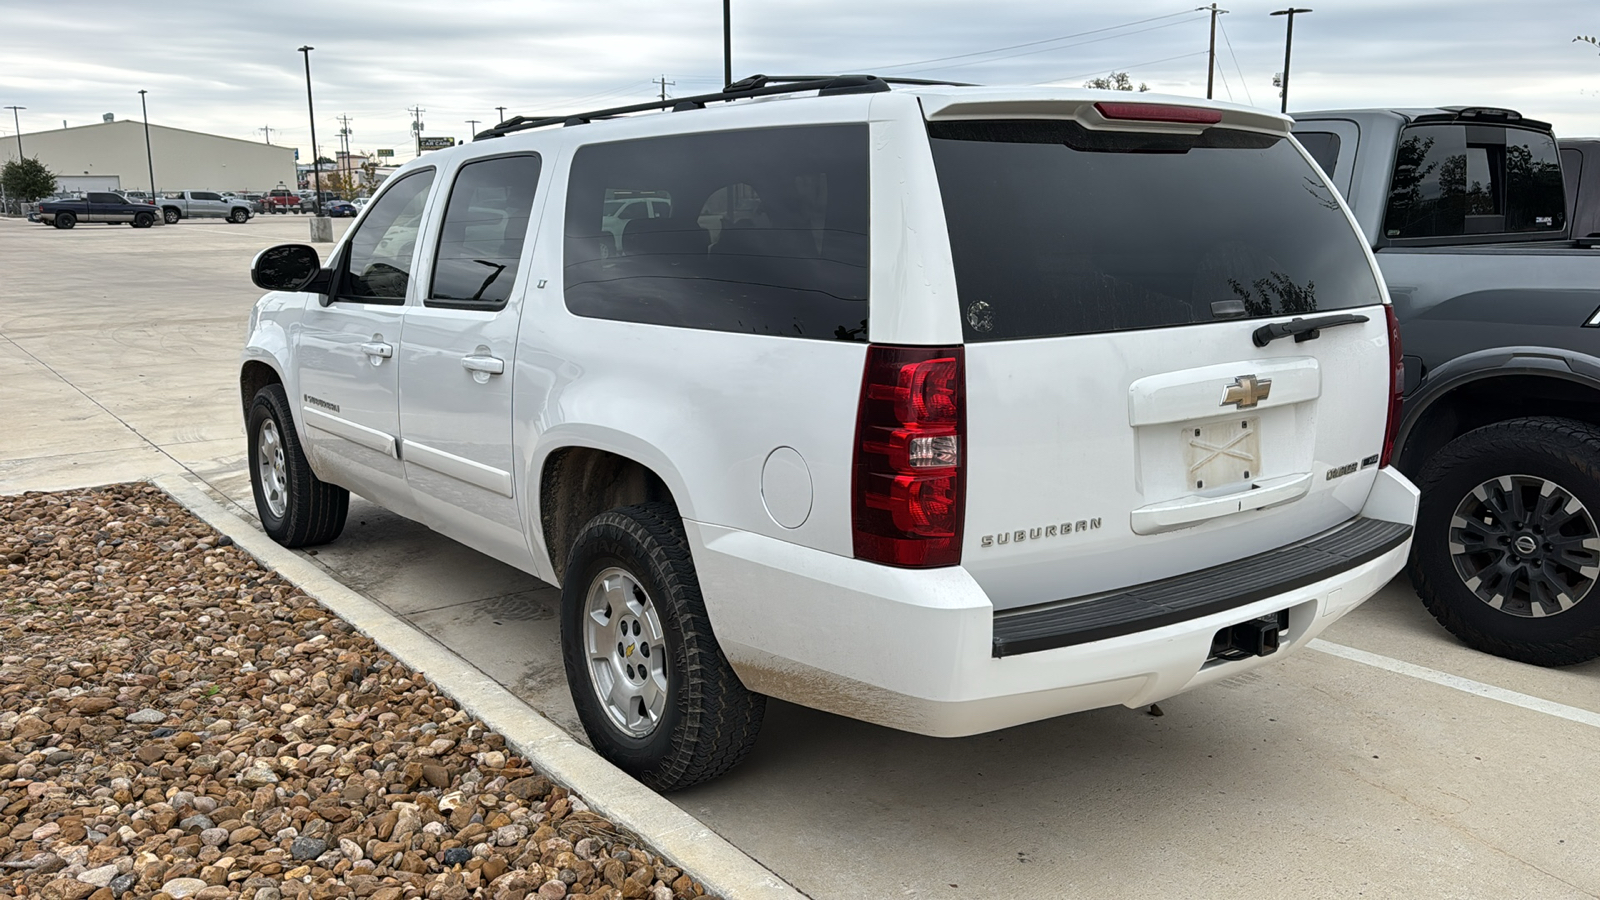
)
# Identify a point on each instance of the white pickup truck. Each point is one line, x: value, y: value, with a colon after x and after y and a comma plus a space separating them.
x: 177, y: 205
x: 903, y: 405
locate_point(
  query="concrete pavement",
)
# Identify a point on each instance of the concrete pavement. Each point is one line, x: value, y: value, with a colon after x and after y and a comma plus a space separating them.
x: 1319, y: 776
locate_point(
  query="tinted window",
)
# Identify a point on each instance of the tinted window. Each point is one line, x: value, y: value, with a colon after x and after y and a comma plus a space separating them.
x: 206, y: 195
x: 1572, y: 174
x: 1474, y: 179
x: 378, y: 265
x: 1058, y: 230
x: 480, y: 242
x: 761, y: 231
x: 1323, y: 147
x: 95, y: 197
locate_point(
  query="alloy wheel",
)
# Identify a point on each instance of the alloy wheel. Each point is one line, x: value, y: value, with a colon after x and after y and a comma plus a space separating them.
x: 627, y: 654
x: 1525, y: 545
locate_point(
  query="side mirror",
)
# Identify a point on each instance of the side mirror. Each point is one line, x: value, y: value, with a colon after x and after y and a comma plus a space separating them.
x: 286, y: 267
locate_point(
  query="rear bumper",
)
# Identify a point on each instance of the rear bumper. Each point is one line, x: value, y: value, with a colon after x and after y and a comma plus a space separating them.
x: 916, y: 649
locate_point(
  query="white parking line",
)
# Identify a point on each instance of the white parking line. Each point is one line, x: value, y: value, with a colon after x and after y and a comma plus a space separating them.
x: 1465, y: 685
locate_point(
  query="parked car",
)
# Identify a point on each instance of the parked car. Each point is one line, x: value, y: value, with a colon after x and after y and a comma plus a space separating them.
x: 177, y: 205
x: 1466, y: 211
x: 281, y: 200
x: 340, y: 209
x: 1068, y: 455
x: 102, y: 207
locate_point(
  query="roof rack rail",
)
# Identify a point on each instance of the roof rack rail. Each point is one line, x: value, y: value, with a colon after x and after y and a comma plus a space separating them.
x: 754, y: 86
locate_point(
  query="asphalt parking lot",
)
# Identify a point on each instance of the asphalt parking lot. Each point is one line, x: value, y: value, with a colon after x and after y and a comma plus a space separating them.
x: 1387, y: 761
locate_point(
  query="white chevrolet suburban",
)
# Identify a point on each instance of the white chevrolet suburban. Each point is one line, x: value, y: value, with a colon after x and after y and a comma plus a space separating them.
x: 947, y: 408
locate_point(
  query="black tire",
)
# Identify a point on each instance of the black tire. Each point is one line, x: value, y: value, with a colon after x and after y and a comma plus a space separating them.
x: 238, y: 216
x: 170, y: 215
x: 710, y: 720
x: 143, y: 220
x: 1526, y: 454
x: 314, y: 511
x: 65, y: 220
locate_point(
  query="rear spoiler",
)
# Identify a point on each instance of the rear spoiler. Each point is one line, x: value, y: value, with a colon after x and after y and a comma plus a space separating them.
x: 1473, y: 114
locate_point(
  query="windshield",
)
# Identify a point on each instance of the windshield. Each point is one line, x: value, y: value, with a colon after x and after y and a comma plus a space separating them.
x: 1059, y: 230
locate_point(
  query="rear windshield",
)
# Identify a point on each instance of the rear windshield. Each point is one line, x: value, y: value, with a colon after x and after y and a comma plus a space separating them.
x: 1059, y: 230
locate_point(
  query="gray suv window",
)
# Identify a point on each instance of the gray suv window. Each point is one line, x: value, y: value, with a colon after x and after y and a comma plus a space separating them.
x: 484, y: 226
x: 761, y: 231
x: 377, y: 267
x: 1059, y: 230
x: 1452, y: 179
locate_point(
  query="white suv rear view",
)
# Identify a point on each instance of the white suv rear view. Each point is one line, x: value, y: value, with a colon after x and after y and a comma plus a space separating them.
x: 945, y: 408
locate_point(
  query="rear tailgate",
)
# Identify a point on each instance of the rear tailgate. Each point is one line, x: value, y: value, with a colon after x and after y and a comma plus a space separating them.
x: 1123, y: 424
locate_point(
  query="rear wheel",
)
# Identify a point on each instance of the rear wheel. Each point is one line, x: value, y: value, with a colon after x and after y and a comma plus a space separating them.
x: 1507, y: 548
x: 170, y: 214
x: 65, y: 220
x: 297, y: 509
x: 654, y: 692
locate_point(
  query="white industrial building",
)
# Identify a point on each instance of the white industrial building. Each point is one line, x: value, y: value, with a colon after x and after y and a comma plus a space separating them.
x: 87, y: 157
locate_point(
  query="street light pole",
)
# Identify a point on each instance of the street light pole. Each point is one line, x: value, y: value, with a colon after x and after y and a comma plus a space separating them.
x: 149, y: 158
x: 727, y: 43
x: 474, y: 124
x: 316, y: 168
x: 502, y: 111
x: 17, y: 122
x: 1288, y: 45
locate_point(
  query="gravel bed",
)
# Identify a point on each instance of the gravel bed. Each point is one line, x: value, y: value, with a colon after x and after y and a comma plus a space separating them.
x: 178, y: 722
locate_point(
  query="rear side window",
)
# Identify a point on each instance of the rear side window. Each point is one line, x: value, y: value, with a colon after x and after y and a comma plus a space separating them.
x: 480, y: 245
x: 1323, y: 147
x: 761, y: 231
x: 1059, y: 230
x: 1452, y: 179
x: 378, y: 267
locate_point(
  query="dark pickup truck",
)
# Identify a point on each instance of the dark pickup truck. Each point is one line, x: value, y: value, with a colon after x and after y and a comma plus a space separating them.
x: 99, y: 206
x: 1499, y: 312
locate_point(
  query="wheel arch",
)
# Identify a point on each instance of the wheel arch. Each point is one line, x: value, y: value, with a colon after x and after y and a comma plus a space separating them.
x: 1493, y: 386
x: 576, y: 478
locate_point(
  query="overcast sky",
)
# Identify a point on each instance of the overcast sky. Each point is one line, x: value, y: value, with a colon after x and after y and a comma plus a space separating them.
x: 231, y: 67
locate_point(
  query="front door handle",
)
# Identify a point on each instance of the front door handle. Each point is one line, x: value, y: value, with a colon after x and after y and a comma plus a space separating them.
x: 489, y: 365
x: 378, y: 349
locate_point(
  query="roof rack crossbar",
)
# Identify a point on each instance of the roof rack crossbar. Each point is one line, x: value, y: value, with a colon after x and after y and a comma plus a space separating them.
x: 754, y: 86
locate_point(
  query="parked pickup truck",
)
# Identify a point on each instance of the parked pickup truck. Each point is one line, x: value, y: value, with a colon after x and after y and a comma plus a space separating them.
x: 99, y: 206
x: 1500, y: 319
x: 280, y: 200
x: 906, y: 408
x: 177, y: 205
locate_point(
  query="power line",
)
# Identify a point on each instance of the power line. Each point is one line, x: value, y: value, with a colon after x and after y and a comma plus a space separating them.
x: 979, y: 62
x: 1243, y: 82
x: 1028, y: 43
x: 1122, y: 68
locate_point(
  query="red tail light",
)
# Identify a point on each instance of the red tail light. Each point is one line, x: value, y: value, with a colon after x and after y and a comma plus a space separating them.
x: 1159, y: 112
x: 908, y: 497
x: 1397, y: 385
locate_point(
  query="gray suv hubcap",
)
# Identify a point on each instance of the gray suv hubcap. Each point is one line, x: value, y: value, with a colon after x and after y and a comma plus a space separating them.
x: 271, y: 469
x: 627, y: 652
x: 1525, y: 545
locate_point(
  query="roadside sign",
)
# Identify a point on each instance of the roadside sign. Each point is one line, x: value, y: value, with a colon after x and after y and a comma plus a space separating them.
x: 297, y: 154
x: 436, y: 143
x: 383, y: 153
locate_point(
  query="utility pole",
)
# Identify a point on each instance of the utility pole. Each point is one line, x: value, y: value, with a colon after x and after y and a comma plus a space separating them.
x: 267, y: 130
x: 474, y: 124
x: 664, y: 82
x: 148, y: 159
x: 502, y: 111
x: 416, y: 125
x: 344, y: 161
x: 18, y: 122
x: 1288, y: 46
x: 727, y: 42
x: 1211, y: 60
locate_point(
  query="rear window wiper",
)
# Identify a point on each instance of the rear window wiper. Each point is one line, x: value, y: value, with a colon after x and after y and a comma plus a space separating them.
x: 1302, y: 329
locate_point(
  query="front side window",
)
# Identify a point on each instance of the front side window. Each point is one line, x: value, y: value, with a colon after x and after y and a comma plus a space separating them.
x: 207, y: 195
x: 105, y: 198
x: 1454, y: 179
x: 485, y: 223
x: 377, y: 267
x: 761, y: 231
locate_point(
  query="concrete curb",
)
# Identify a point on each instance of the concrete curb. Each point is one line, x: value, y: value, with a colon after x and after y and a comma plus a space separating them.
x: 705, y: 855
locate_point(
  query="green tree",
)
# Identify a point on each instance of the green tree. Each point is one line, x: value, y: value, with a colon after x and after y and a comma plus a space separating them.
x: 27, y: 180
x: 1116, y: 81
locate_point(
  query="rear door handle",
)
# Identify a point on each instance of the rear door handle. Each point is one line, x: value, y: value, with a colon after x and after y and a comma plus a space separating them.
x: 489, y: 365
x: 378, y: 348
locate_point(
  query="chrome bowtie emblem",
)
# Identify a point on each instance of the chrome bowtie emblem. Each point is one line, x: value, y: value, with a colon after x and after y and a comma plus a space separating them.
x: 1246, y: 391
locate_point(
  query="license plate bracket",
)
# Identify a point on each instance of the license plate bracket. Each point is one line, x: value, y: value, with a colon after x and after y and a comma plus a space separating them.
x: 1222, y: 453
